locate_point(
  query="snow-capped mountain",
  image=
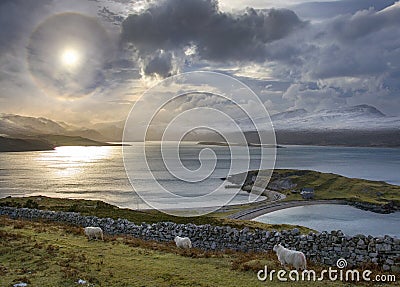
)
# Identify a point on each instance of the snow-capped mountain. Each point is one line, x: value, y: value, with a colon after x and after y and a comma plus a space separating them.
x: 21, y: 125
x: 289, y: 114
x: 361, y: 125
x: 361, y: 117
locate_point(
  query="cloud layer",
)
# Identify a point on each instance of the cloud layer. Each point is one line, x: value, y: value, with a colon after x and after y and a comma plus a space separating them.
x: 346, y: 57
x: 176, y: 25
x: 351, y: 58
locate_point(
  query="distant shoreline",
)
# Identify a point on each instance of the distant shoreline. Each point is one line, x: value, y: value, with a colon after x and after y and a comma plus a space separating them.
x: 237, y: 144
x: 47, y: 143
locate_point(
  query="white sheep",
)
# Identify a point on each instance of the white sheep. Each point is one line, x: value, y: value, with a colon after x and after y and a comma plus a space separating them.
x: 94, y: 232
x: 183, y: 242
x: 292, y: 257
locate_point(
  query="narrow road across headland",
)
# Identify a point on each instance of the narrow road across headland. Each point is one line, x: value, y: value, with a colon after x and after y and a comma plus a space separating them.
x: 270, y: 207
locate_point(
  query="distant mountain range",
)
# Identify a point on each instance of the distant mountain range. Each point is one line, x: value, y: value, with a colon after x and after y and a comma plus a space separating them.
x: 22, y: 133
x: 361, y: 125
x: 362, y: 117
x: 22, y: 126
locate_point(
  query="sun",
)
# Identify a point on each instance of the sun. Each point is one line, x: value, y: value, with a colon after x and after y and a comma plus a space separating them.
x: 70, y: 58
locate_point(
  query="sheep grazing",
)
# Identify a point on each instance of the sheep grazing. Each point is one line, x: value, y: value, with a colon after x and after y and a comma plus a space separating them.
x: 183, y: 242
x: 292, y: 257
x: 94, y: 232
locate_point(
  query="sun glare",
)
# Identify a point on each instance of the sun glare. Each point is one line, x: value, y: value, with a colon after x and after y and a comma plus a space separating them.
x: 70, y: 58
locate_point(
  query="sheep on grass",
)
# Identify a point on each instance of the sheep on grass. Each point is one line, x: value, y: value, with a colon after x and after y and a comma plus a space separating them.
x: 94, y: 232
x: 292, y: 257
x: 183, y: 242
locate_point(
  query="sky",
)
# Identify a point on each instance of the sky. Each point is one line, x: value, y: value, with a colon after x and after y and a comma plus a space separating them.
x: 86, y: 62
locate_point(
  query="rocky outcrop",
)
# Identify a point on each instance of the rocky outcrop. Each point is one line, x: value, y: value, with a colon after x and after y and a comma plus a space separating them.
x: 282, y: 184
x: 322, y: 247
x: 387, y: 208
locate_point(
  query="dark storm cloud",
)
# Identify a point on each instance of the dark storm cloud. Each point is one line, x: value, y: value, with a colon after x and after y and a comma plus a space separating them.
x: 365, y: 43
x: 218, y: 36
x: 365, y: 22
x: 349, y: 56
x: 160, y: 65
x: 350, y: 59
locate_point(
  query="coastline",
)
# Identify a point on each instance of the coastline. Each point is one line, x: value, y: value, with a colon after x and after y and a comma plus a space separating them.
x: 251, y: 213
x: 284, y: 188
x: 264, y: 207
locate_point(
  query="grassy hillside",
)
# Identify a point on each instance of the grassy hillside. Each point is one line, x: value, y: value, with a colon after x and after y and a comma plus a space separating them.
x: 14, y: 145
x: 45, y: 142
x: 61, y: 140
x: 43, y: 254
x: 333, y: 186
x: 102, y: 209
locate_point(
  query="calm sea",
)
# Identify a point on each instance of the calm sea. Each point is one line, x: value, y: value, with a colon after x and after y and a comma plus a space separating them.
x: 327, y: 217
x: 98, y: 172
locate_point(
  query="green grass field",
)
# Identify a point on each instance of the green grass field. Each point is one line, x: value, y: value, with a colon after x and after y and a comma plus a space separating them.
x: 48, y: 254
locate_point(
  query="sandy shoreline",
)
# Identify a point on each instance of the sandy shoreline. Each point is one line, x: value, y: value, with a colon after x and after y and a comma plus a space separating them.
x: 252, y: 213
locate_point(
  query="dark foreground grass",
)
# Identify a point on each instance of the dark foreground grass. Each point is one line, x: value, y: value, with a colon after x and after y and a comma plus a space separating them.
x: 49, y: 254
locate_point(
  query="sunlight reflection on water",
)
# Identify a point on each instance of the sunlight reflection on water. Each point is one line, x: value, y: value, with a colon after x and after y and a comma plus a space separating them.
x: 70, y: 161
x: 98, y: 172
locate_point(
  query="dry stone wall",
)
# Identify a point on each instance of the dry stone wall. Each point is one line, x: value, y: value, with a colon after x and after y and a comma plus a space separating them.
x: 324, y: 247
